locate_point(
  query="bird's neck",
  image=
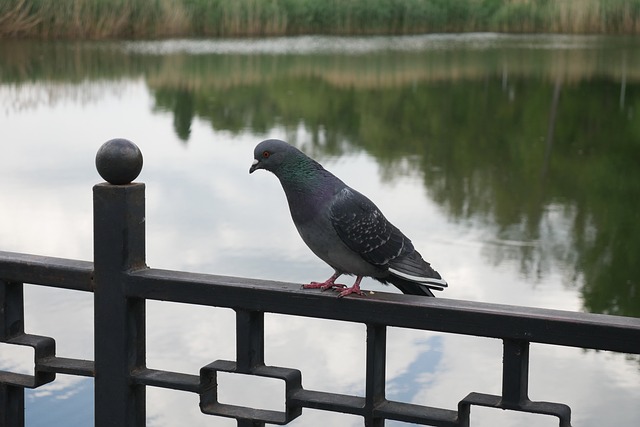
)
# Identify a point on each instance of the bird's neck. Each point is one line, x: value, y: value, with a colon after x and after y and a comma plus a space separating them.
x: 304, y: 176
x: 307, y: 186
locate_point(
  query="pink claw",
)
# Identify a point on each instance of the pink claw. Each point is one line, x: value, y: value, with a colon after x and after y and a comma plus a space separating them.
x: 355, y: 289
x: 323, y: 286
x: 327, y: 284
x: 330, y: 283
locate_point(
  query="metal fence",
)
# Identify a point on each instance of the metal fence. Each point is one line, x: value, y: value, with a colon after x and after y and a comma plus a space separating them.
x: 121, y: 283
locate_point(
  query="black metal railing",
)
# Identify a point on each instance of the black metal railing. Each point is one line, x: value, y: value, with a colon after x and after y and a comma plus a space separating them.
x: 121, y: 283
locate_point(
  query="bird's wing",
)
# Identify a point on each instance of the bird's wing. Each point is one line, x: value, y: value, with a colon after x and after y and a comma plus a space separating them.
x: 362, y: 227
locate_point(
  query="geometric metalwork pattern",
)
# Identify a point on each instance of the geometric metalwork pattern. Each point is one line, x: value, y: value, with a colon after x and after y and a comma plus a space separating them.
x: 514, y: 389
x: 250, y: 351
x: 563, y: 412
x: 12, y: 332
x: 44, y: 348
x: 209, y: 393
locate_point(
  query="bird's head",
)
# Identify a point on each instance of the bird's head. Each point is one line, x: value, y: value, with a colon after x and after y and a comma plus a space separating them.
x: 270, y: 154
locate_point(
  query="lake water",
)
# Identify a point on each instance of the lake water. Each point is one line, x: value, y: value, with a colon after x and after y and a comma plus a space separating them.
x: 512, y: 162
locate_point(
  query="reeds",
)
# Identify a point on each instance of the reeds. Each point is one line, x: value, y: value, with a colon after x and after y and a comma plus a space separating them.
x: 100, y: 19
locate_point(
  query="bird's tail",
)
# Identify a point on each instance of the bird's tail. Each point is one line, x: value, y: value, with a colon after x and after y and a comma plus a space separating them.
x: 409, y: 287
x: 413, y: 275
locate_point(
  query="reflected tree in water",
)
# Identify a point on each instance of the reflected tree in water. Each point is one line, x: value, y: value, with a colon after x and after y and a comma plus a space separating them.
x: 551, y: 168
x: 180, y: 102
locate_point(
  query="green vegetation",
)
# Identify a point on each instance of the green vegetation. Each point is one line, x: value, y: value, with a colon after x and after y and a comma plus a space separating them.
x: 99, y: 19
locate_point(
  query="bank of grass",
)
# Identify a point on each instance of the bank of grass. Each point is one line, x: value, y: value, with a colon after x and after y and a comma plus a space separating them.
x: 99, y: 19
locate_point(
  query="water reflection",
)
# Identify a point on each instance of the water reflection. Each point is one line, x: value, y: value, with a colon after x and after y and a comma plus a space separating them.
x: 532, y: 137
x: 530, y: 143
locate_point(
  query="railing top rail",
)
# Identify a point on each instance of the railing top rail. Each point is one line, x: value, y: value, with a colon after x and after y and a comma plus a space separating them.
x: 44, y: 270
x: 585, y: 330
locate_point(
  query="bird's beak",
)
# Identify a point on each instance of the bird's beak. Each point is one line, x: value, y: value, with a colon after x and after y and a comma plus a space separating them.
x: 255, y: 165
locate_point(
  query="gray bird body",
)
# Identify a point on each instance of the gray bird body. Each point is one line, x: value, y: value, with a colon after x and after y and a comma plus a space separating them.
x: 343, y: 227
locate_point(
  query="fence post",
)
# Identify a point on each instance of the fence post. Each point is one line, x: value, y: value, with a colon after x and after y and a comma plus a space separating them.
x: 119, y: 247
x: 11, y: 324
x: 376, y: 372
x: 515, y: 377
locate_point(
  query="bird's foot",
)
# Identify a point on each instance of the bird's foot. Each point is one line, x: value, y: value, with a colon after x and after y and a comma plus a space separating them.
x: 323, y: 286
x: 355, y: 289
x: 352, y: 290
x: 330, y: 283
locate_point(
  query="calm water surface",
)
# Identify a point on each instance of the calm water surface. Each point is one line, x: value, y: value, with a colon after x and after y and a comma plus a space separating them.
x: 511, y: 162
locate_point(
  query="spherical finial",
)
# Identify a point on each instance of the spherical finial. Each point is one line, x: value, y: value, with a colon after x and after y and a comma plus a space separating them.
x: 119, y: 161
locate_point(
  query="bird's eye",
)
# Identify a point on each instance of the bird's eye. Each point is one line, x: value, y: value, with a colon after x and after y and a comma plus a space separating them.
x: 265, y: 154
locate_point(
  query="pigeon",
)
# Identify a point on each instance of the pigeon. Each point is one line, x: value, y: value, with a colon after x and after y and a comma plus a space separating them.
x: 343, y: 227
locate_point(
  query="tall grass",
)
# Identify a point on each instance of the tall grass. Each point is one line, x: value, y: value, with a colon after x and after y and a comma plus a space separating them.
x: 98, y: 19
